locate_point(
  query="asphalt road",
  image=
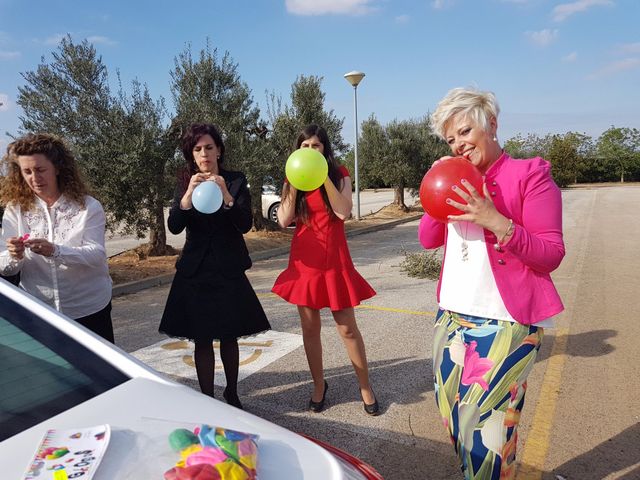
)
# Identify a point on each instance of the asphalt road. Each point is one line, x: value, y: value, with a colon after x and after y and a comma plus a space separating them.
x: 581, y: 419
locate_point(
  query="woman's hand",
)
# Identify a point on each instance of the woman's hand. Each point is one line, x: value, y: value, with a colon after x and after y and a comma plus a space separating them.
x: 15, y: 247
x: 479, y: 209
x: 287, y: 209
x: 195, y: 180
x: 219, y: 180
x: 40, y: 246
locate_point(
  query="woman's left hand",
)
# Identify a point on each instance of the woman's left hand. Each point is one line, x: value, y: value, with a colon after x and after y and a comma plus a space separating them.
x: 219, y: 180
x: 478, y: 209
x: 40, y: 246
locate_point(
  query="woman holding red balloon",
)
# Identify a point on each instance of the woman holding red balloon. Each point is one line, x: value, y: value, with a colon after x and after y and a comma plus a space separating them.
x: 501, y: 242
x: 211, y: 297
x: 320, y: 272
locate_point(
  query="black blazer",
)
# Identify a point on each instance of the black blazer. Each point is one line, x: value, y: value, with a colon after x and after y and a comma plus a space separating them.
x: 219, y: 233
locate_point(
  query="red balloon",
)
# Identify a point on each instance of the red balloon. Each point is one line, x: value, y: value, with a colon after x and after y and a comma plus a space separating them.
x: 437, y: 182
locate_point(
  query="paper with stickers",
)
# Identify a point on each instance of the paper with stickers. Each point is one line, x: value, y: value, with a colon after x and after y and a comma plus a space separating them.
x: 69, y: 454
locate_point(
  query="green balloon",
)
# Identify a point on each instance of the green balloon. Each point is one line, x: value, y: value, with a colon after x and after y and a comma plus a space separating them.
x: 306, y: 169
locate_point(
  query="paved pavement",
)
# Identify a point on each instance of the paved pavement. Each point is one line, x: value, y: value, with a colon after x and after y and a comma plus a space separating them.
x: 583, y: 392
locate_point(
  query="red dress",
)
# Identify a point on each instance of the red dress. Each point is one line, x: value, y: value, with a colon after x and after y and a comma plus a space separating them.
x: 320, y: 271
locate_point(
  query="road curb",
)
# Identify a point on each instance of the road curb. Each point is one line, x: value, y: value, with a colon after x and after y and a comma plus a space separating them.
x: 150, y: 282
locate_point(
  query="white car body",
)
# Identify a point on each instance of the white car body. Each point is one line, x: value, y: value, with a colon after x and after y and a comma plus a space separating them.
x: 142, y: 408
x: 270, y: 202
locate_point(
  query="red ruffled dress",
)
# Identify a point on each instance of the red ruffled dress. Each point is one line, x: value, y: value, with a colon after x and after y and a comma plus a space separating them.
x: 320, y: 272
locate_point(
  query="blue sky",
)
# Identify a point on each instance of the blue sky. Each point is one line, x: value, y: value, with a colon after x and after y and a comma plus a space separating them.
x: 555, y: 66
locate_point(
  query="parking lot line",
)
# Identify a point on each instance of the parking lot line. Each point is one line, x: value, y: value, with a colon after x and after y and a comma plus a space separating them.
x: 396, y: 310
x: 537, y: 442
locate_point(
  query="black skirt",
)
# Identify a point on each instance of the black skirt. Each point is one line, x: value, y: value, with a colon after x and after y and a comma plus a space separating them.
x: 210, y: 306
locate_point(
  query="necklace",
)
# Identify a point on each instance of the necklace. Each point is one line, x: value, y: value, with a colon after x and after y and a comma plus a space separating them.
x: 464, y: 246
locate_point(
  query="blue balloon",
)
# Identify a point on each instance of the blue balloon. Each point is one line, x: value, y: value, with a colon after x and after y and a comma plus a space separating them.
x: 207, y: 197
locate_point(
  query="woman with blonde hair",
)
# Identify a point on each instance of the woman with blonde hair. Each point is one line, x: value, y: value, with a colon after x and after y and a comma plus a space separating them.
x: 495, y: 291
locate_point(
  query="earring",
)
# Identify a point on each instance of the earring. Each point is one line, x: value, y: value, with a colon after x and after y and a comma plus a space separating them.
x: 495, y: 139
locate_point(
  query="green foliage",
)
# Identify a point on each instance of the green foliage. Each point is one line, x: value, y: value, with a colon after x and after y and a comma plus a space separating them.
x: 70, y: 97
x: 118, y: 141
x: 528, y: 147
x: 563, y: 156
x: 209, y: 90
x: 398, y: 155
x: 620, y: 149
x: 424, y: 264
x: 286, y: 121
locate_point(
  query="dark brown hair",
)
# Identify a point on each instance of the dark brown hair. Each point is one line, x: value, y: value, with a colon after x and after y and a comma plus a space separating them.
x: 334, y: 171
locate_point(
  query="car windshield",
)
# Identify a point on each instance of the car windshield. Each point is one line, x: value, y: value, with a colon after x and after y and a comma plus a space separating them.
x: 43, y: 371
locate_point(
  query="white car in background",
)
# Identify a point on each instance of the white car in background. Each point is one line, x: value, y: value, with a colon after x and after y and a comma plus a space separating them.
x: 55, y: 374
x: 270, y: 202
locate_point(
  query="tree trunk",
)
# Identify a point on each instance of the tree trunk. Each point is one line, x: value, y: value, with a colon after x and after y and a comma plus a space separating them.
x: 398, y: 196
x: 259, y: 222
x: 157, y: 231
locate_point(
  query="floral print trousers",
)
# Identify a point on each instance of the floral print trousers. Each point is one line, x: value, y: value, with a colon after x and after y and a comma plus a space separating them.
x: 480, y: 370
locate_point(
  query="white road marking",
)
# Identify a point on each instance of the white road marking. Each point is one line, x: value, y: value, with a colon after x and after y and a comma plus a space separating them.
x: 175, y: 357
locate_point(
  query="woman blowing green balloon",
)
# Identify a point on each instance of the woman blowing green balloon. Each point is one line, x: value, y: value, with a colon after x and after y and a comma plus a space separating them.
x: 320, y: 272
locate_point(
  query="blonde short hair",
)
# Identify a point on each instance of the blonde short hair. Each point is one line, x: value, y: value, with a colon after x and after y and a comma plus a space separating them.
x: 478, y: 105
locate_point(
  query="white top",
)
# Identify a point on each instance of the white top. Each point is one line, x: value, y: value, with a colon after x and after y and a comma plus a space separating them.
x: 468, y: 286
x: 75, y: 280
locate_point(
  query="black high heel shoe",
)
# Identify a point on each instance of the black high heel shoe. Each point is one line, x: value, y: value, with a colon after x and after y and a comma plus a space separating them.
x: 372, y: 409
x: 234, y: 401
x: 317, y: 407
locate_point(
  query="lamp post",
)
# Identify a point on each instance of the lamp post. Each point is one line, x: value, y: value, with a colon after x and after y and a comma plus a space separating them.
x: 354, y: 78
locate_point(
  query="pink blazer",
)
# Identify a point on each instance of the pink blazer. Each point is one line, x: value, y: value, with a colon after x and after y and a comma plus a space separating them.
x: 524, y: 191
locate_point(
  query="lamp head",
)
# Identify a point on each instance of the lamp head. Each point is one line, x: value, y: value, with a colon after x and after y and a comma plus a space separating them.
x: 354, y: 77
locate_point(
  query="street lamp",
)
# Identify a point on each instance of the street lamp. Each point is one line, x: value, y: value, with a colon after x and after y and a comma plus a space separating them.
x: 354, y: 78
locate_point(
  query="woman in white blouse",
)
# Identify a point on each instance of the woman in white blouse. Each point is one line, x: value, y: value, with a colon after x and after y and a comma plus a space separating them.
x: 53, y: 232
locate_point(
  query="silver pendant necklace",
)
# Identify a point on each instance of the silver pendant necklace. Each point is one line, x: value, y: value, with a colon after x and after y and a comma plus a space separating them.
x: 464, y: 246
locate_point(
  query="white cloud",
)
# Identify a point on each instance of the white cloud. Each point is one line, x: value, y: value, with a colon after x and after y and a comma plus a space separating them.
x: 615, y: 68
x: 572, y: 57
x: 440, y: 4
x: 565, y: 10
x: 4, y: 55
x: 403, y: 19
x: 628, y: 48
x: 543, y: 38
x: 54, y: 39
x: 328, y: 7
x: 4, y: 102
x: 99, y: 39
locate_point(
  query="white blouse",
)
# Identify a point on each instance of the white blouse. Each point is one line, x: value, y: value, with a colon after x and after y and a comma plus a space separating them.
x: 468, y: 285
x: 75, y: 280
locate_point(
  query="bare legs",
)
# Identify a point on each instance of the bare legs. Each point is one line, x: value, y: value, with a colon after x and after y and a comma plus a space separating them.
x: 310, y: 322
x: 352, y: 339
x: 205, y: 365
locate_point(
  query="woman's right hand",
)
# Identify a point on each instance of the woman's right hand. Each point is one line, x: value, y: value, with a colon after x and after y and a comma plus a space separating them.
x: 15, y: 247
x: 287, y: 209
x: 195, y: 180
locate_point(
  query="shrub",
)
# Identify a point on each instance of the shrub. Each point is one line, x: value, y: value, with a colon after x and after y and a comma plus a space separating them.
x: 425, y: 264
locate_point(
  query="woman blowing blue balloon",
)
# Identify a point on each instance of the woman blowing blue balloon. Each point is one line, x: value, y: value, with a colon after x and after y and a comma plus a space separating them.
x: 211, y: 297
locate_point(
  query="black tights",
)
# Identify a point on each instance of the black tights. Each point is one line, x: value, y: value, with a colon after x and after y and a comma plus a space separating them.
x: 205, y: 365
